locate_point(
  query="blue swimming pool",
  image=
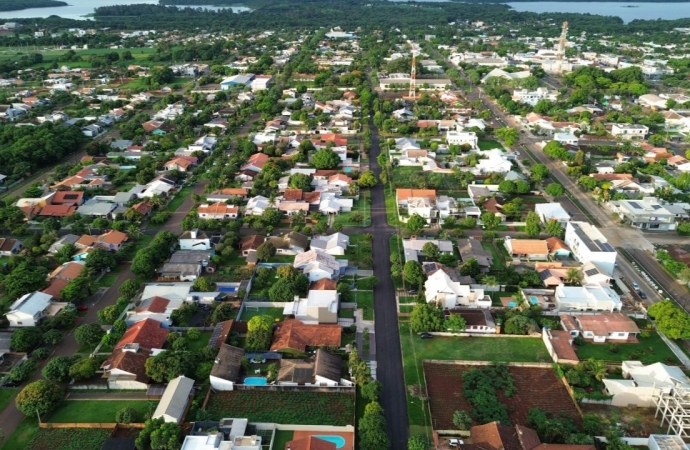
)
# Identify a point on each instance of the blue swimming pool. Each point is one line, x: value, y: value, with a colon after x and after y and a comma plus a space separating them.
x: 534, y: 300
x: 339, y: 441
x: 256, y: 381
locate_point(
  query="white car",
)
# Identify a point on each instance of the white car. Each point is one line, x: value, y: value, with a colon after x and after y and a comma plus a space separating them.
x: 635, y: 286
x: 455, y: 442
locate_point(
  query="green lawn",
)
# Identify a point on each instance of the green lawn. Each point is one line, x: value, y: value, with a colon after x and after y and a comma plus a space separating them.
x: 365, y: 301
x: 179, y: 198
x: 97, y: 411
x: 282, y: 259
x: 69, y: 438
x: 415, y: 350
x: 202, y: 342
x: 249, y: 312
x: 404, y: 300
x: 108, y: 279
x: 406, y: 308
x: 392, y: 209
x: 346, y: 313
x: 142, y: 241
x: 22, y: 436
x: 359, y: 253
x: 649, y: 350
x: 6, y: 396
x: 282, y: 438
x: 498, y: 260
x: 363, y: 205
x: 487, y: 144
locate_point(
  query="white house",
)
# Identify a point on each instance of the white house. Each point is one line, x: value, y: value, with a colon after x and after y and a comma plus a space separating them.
x: 416, y: 201
x: 533, y: 97
x: 589, y: 245
x: 173, y: 404
x: 334, y: 244
x: 566, y: 138
x: 218, y: 211
x: 451, y: 294
x: 552, y: 211
x: 493, y: 161
x: 317, y: 264
x: 642, y: 383
x: 454, y: 137
x: 629, y: 131
x: 413, y: 247
x: 332, y: 203
x: 194, y: 240
x: 30, y: 309
x: 646, y: 214
x: 257, y: 205
x: 320, y: 306
x: 594, y: 297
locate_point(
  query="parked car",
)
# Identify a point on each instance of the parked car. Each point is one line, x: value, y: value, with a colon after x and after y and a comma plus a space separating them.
x: 643, y: 296
x: 413, y: 291
x: 455, y: 442
x: 425, y: 335
x: 82, y: 308
x: 635, y: 286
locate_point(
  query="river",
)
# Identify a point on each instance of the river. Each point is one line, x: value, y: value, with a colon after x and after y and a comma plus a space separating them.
x: 79, y: 9
x: 643, y: 11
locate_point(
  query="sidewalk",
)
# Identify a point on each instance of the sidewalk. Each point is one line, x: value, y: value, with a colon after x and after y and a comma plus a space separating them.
x: 676, y: 351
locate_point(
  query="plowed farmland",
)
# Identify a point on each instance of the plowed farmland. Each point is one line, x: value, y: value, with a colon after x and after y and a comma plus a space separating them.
x: 535, y: 388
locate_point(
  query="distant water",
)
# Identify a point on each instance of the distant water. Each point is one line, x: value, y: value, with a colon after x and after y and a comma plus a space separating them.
x: 82, y: 8
x: 642, y: 11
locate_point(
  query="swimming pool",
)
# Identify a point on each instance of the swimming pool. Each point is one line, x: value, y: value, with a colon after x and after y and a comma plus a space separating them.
x: 256, y: 381
x: 339, y: 441
x: 534, y: 300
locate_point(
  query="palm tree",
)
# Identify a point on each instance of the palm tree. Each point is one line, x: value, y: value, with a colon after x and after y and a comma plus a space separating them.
x: 596, y: 368
x: 489, y: 280
x: 573, y: 276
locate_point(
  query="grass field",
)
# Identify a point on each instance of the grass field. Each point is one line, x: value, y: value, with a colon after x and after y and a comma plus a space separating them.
x: 415, y: 350
x: 6, y: 396
x: 179, y: 198
x: 69, y: 439
x: 249, y: 312
x: 392, y: 209
x: 649, y: 350
x: 365, y: 301
x: 282, y: 438
x: 363, y: 205
x: 202, y: 342
x: 498, y: 260
x: 94, y: 411
x: 359, y: 253
x: 487, y: 144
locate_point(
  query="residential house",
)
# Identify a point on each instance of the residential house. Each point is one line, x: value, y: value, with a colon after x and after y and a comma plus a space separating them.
x: 226, y: 368
x: 261, y: 82
x: 173, y: 405
x: 157, y: 308
x: 413, y: 247
x: 454, y: 137
x: 492, y: 161
x: 529, y: 249
x: 126, y: 370
x: 332, y: 203
x: 594, y: 297
x: 181, y: 163
x: 194, y: 240
x: 256, y: 162
x: 322, y: 369
x: 416, y: 201
x: 294, y: 336
x: 587, y: 244
x: 30, y: 309
x: 647, y: 214
x: 679, y: 162
x: 257, y: 205
x: 552, y: 211
x: 57, y: 211
x: 472, y: 248
x: 68, y: 239
x: 451, y: 294
x: 605, y: 327
x: 476, y: 320
x: 317, y: 264
x: 68, y: 198
x: 629, y: 131
x: 145, y: 336
x: 218, y: 211
x: 9, y: 247
x: 111, y: 240
x: 492, y: 206
x: 320, y: 306
x: 559, y: 344
x: 404, y: 144
x: 557, y: 248
x: 67, y: 271
x: 533, y: 97
x: 495, y: 436
x: 641, y: 384
x: 249, y: 244
x: 223, y: 195
x: 292, y: 243
x: 228, y: 434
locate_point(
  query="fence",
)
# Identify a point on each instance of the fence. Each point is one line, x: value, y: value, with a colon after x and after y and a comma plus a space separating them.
x: 283, y: 388
x: 111, y: 426
x: 490, y: 363
x: 482, y: 335
x: 189, y: 328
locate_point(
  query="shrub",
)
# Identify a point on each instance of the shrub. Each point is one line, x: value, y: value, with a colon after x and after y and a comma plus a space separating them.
x: 23, y: 372
x: 41, y: 353
x: 193, y: 334
x: 126, y: 415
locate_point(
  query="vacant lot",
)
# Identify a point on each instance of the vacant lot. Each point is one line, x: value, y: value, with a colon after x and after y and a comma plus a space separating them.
x: 649, y: 350
x: 95, y: 411
x: 535, y: 388
x: 69, y: 439
x: 302, y: 408
x: 414, y: 178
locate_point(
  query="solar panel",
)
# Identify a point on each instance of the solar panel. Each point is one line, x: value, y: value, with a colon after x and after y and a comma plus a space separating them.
x: 635, y: 205
x: 216, y: 334
x: 591, y: 272
x: 301, y: 374
x: 607, y: 247
x: 656, y: 207
x: 155, y: 389
x: 71, y: 196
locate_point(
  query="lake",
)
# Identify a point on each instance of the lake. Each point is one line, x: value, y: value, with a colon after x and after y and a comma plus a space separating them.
x: 644, y: 11
x: 81, y: 8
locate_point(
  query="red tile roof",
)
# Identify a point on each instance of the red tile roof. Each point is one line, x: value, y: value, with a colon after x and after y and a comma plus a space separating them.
x: 130, y: 362
x: 57, y: 210
x: 156, y: 305
x: 147, y: 333
x: 69, y: 198
x: 295, y: 335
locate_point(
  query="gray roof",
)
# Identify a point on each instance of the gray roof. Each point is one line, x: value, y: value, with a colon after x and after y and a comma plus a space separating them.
x: 121, y: 144
x: 472, y: 248
x: 64, y: 240
x: 123, y: 197
x: 96, y: 209
x: 191, y: 256
x: 228, y: 363
x: 175, y: 399
x: 327, y: 365
x: 178, y: 269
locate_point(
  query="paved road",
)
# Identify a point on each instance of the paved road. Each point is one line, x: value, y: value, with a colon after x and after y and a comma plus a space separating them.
x: 388, y: 350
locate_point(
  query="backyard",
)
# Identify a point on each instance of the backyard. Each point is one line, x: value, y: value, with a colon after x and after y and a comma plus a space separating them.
x: 487, y: 144
x: 299, y: 408
x: 253, y: 311
x: 363, y: 206
x: 649, y: 350
x: 359, y: 252
x: 94, y: 411
x: 414, y: 178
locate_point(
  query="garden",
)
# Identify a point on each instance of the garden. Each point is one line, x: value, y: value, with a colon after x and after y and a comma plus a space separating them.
x: 69, y: 438
x: 518, y: 390
x: 287, y: 407
x: 650, y: 349
x: 359, y: 252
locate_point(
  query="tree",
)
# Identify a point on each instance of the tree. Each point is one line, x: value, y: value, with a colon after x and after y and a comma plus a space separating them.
x: 462, y: 420
x: 553, y: 228
x: 413, y: 273
x: 57, y: 369
x: 367, y: 179
x: 431, y: 251
x: 77, y: 290
x: 158, y: 434
x: 265, y: 251
x: 418, y: 443
x: 300, y: 181
x: 539, y: 172
x: 88, y: 335
x: 656, y: 140
x: 99, y: 260
x: 372, y: 428
x: 40, y: 397
x: 532, y: 224
x: 670, y: 319
x: 523, y: 187
x: 325, y: 158
x: 25, y: 339
x: 470, y: 268
x: 684, y: 229
x: 587, y: 182
x: 369, y: 283
x: 259, y: 332
x: 518, y: 324
x: 222, y: 312
x: 83, y: 369
x: 129, y: 288
x: 490, y: 220
x: 371, y: 390
x: 109, y: 314
x: 456, y: 323
x: 126, y: 415
x: 52, y: 337
x: 507, y: 187
x: 282, y: 290
x: 161, y: 75
x: 573, y: 276
x: 415, y: 224
x: 426, y: 317
x: 555, y: 189
x: 508, y: 135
